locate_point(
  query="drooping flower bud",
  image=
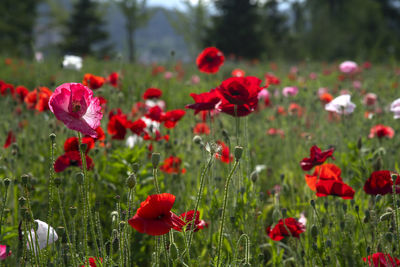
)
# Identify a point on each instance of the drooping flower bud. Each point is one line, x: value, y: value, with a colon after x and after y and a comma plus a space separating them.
x: 238, y: 152
x: 155, y: 159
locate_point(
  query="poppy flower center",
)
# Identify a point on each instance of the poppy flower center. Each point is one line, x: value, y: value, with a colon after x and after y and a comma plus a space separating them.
x: 76, y: 106
x: 209, y: 59
x: 160, y: 216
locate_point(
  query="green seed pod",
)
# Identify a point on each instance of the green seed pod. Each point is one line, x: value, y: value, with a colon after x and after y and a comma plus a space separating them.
x: 197, y: 140
x: 238, y: 152
x: 254, y: 176
x: 7, y: 182
x: 52, y: 137
x: 131, y: 181
x: 155, y: 159
x: 79, y: 178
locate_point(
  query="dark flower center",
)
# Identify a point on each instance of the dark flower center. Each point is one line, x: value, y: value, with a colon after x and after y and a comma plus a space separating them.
x: 76, y: 106
x: 160, y: 216
x: 209, y: 59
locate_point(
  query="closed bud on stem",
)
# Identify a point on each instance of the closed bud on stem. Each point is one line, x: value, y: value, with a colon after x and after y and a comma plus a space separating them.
x: 359, y: 143
x: 57, y: 181
x: 312, y: 203
x: 197, y: 140
x: 52, y: 137
x: 284, y: 212
x: 315, y: 246
x: 21, y: 201
x: 238, y: 152
x: 155, y: 159
x: 25, y: 179
x: 344, y: 207
x: 27, y: 215
x: 131, y: 181
x: 357, y: 208
x: 254, y: 176
x: 121, y: 225
x: 79, y: 178
x: 314, y: 231
x: 7, y: 182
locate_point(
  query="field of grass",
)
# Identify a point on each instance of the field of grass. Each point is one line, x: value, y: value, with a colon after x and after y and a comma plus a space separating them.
x: 267, y: 184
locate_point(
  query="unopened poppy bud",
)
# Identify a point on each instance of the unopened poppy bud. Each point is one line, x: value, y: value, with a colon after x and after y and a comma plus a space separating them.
x: 83, y: 147
x: 389, y: 237
x: 73, y: 211
x: 114, y: 215
x: 14, y: 149
x: 197, y: 140
x: 79, y: 178
x: 378, y: 197
x: 135, y: 167
x: 314, y: 231
x: 7, y: 182
x: 25, y: 179
x: 238, y: 152
x: 155, y: 159
x: 312, y: 203
x: 131, y: 181
x: 386, y: 216
x: 57, y: 181
x: 254, y: 176
x: 365, y: 219
x: 21, y: 201
x: 52, y: 137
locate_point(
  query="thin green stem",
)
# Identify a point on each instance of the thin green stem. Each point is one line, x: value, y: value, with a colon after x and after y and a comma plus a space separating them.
x: 3, y: 206
x: 156, y: 181
x: 221, y: 229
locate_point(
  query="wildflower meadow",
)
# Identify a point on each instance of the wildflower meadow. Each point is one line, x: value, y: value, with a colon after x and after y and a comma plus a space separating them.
x: 212, y: 162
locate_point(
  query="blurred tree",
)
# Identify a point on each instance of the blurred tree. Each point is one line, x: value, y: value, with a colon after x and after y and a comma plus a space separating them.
x: 85, y: 30
x: 136, y: 15
x: 16, y: 26
x: 191, y: 23
x: 237, y: 28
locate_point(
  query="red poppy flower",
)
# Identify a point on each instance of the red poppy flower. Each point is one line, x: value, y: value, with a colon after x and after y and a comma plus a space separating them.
x: 113, y: 79
x: 117, y: 125
x: 21, y: 93
x: 157, y: 69
x: 154, y: 216
x: 210, y: 60
x: 334, y: 188
x: 92, y: 81
x: 92, y: 262
x: 138, y: 127
x: 225, y: 155
x: 204, y: 101
x: 172, y: 165
x: 240, y: 90
x: 295, y: 109
x: 10, y: 139
x: 187, y: 217
x: 238, y: 73
x: 170, y: 118
x: 380, y: 182
x: 152, y: 93
x: 380, y: 259
x: 155, y: 113
x: 237, y: 110
x: 71, y: 158
x: 201, y: 128
x: 100, y: 134
x: 280, y: 230
x: 326, y: 98
x: 275, y: 131
x: 38, y: 99
x: 380, y: 131
x: 271, y: 79
x: 317, y: 157
x: 72, y: 144
x: 6, y: 87
x: 326, y: 171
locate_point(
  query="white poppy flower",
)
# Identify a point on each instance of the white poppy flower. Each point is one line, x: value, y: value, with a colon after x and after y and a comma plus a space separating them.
x: 132, y: 140
x: 41, y: 232
x: 341, y: 105
x: 72, y: 62
x: 395, y: 107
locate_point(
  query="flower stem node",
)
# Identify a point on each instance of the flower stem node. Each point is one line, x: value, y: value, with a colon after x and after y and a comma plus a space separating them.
x: 155, y: 159
x: 238, y: 152
x: 131, y: 181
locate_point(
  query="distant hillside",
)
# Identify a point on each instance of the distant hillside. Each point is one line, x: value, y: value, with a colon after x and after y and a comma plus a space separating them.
x: 154, y: 42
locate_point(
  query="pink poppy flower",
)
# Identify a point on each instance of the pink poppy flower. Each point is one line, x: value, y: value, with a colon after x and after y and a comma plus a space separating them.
x: 3, y: 252
x: 290, y: 91
x: 348, y: 66
x: 75, y: 106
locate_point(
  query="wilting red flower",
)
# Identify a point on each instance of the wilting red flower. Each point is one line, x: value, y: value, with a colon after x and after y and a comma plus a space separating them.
x: 92, y: 262
x: 240, y: 90
x: 92, y: 81
x: 280, y: 230
x: 21, y: 93
x: 154, y: 216
x: 187, y: 217
x: 152, y: 93
x: 380, y: 259
x: 381, y: 131
x: 210, y: 60
x: 201, y: 128
x: 72, y: 144
x: 117, y: 125
x: 326, y: 171
x: 317, y: 157
x: 225, y: 155
x: 170, y: 118
x: 71, y: 158
x: 271, y: 79
x: 10, y: 139
x: 238, y: 73
x: 172, y: 165
x: 113, y: 79
x: 380, y: 182
x: 334, y: 188
x: 204, y: 101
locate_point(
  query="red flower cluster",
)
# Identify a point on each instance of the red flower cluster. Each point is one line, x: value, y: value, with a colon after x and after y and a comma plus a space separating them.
x: 210, y: 60
x: 92, y: 262
x: 113, y: 79
x: 92, y: 81
x: 280, y: 231
x: 205, y: 101
x: 172, y: 165
x: 381, y: 131
x: 271, y: 79
x: 380, y: 182
x: 225, y: 155
x: 154, y: 216
x: 201, y: 128
x: 151, y: 93
x: 380, y: 259
x: 38, y: 99
x: 187, y: 217
x: 317, y: 157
